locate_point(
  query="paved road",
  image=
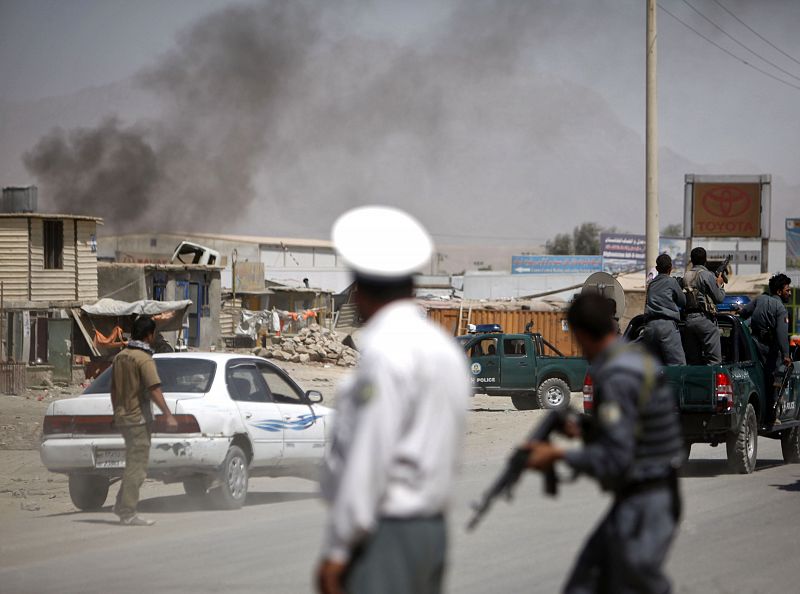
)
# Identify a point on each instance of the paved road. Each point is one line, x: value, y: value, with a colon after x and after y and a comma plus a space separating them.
x: 741, y: 534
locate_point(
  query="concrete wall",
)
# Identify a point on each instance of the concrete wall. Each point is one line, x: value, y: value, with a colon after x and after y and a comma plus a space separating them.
x: 504, y: 285
x: 124, y: 283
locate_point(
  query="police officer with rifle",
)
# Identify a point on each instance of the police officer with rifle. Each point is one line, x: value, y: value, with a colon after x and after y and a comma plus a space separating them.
x: 769, y: 324
x: 704, y: 290
x: 632, y: 447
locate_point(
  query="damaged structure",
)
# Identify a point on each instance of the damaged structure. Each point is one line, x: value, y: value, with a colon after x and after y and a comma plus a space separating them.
x: 48, y: 266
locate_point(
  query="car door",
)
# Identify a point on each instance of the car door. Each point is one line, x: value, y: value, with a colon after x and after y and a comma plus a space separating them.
x: 303, y: 430
x: 261, y: 416
x: 516, y: 365
x: 484, y: 362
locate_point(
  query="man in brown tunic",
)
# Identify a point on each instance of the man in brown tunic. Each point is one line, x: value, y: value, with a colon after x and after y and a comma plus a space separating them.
x: 134, y: 384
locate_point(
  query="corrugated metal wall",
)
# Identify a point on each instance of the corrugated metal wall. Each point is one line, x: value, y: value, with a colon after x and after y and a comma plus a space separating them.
x: 86, y: 260
x: 52, y: 285
x: 14, y: 258
x: 550, y: 324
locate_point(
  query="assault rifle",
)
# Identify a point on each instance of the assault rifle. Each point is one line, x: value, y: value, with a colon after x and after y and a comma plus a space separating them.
x: 516, y: 465
x: 722, y: 269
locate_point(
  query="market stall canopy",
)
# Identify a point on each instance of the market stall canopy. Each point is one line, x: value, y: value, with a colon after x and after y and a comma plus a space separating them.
x: 112, y: 307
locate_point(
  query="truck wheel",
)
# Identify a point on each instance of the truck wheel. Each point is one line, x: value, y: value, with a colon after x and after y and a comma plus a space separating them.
x: 232, y: 478
x: 195, y: 486
x: 524, y: 401
x: 790, y: 446
x: 553, y: 394
x: 88, y: 491
x: 743, y: 445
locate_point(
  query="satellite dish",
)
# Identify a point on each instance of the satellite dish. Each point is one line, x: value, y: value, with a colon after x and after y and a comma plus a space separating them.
x: 607, y: 286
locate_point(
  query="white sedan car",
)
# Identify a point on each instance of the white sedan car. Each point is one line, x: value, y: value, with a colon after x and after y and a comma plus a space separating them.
x: 238, y: 416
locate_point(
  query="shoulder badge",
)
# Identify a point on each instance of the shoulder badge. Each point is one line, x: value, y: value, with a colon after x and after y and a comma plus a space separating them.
x: 609, y: 414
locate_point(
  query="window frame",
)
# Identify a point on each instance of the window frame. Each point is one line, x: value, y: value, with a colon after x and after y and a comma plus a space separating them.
x: 507, y: 341
x: 53, y: 244
x: 303, y: 398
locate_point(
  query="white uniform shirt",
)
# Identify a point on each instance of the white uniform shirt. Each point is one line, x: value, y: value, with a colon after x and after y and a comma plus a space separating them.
x: 398, y: 428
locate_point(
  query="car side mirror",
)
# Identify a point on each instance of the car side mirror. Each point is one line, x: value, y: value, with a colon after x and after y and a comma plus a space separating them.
x: 314, y: 396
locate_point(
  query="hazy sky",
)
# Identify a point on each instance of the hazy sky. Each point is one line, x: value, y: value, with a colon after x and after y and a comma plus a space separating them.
x: 716, y: 113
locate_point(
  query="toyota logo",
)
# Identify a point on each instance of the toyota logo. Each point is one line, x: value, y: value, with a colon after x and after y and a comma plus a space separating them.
x: 726, y: 202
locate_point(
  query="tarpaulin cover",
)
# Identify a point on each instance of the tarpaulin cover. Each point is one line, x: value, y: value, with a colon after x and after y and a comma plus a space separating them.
x: 112, y: 307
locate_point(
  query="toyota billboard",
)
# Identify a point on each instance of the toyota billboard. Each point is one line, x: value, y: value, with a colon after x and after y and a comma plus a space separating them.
x: 727, y: 206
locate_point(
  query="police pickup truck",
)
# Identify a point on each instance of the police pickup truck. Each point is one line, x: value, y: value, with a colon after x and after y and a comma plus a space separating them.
x: 524, y: 366
x: 727, y: 403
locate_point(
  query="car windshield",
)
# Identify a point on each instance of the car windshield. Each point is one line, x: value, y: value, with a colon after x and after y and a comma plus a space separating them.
x: 177, y: 375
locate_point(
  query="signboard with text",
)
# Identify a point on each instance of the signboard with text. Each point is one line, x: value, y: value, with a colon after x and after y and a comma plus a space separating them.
x: 793, y: 244
x: 625, y: 252
x: 726, y: 209
x: 555, y: 264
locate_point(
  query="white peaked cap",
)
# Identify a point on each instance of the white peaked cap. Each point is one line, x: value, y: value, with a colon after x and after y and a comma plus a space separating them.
x: 382, y: 242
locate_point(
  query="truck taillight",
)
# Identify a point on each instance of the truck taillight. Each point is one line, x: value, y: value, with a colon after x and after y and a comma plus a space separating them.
x: 186, y: 424
x: 588, y: 394
x: 724, y: 393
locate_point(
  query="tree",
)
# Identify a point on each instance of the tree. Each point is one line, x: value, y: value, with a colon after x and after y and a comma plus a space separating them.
x: 560, y: 245
x: 586, y: 239
x: 673, y: 230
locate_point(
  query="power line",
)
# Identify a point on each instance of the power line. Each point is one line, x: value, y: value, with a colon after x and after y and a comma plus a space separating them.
x: 730, y: 53
x: 739, y: 43
x: 756, y: 33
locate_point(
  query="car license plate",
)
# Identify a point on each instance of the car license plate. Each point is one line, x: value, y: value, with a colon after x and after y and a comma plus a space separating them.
x: 109, y: 459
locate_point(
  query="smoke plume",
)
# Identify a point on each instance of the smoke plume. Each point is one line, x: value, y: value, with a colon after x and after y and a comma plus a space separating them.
x: 279, y: 115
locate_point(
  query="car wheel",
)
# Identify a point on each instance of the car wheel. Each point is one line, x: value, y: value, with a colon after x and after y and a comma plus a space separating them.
x: 524, y: 401
x: 553, y: 394
x: 88, y: 491
x: 743, y: 445
x: 790, y: 446
x: 196, y: 486
x: 231, y: 490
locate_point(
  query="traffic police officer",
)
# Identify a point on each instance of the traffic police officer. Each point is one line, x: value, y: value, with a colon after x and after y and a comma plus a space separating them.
x: 663, y: 312
x: 389, y: 471
x: 704, y: 292
x: 633, y: 449
x: 769, y: 324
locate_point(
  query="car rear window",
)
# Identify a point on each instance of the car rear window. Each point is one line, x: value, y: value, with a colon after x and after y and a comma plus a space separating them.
x: 193, y: 376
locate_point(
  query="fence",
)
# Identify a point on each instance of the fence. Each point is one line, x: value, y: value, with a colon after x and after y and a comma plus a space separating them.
x: 12, y: 378
x: 551, y: 325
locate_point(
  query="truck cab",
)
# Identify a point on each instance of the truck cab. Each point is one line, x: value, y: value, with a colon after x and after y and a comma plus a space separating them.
x: 727, y: 403
x: 524, y: 366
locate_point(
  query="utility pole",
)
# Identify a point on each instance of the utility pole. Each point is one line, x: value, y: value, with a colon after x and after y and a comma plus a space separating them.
x: 651, y: 142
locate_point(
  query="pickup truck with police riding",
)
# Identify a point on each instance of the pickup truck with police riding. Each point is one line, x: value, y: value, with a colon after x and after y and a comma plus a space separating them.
x: 524, y: 366
x: 727, y: 403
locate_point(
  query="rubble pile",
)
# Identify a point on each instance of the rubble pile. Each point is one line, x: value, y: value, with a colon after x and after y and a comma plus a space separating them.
x: 312, y: 343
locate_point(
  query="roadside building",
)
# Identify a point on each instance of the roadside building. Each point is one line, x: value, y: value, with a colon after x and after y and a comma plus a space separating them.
x: 197, y: 283
x: 287, y: 261
x: 48, y: 266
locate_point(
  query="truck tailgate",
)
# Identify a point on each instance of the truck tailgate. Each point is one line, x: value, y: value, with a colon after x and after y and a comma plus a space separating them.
x: 694, y: 386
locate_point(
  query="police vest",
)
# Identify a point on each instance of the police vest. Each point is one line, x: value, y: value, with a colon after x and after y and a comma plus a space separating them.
x: 659, y: 438
x: 696, y: 299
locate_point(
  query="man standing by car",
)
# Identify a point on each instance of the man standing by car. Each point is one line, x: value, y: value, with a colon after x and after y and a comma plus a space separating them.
x: 769, y: 325
x: 389, y: 472
x: 134, y: 384
x: 663, y: 312
x: 633, y: 449
x: 704, y: 291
